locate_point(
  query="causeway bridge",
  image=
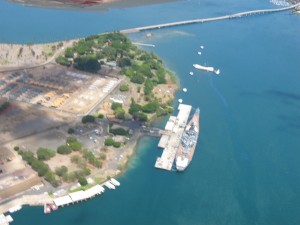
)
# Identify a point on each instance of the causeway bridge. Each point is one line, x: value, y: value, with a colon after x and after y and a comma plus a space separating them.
x: 231, y: 16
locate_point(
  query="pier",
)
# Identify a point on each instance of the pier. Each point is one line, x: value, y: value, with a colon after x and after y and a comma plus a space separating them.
x: 171, y: 137
x: 78, y: 196
x: 186, y: 22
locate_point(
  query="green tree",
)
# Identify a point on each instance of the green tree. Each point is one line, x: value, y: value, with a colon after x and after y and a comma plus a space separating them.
x: 137, y: 78
x: 74, y: 145
x: 88, y: 119
x: 148, y: 87
x: 63, y: 61
x: 69, y: 53
x: 150, y: 107
x: 124, y: 88
x: 82, y: 181
x: 120, y: 113
x: 61, y: 171
x: 124, y: 62
x: 87, y: 63
x: 142, y: 117
x: 64, y: 150
x: 45, y: 154
x: 116, y: 105
x: 71, y: 130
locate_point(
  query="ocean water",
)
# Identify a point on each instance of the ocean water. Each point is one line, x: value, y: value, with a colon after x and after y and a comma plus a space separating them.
x: 246, y: 167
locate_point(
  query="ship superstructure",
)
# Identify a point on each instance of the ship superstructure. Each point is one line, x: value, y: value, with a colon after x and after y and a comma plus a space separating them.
x: 188, y: 142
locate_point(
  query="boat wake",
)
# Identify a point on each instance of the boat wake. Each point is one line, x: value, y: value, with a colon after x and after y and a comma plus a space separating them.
x: 218, y: 93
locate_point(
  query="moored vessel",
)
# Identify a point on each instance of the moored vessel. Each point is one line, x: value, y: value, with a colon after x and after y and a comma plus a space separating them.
x: 188, y: 142
x: 206, y: 68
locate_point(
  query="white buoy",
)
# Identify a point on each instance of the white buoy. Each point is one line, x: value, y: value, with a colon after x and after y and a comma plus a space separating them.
x: 191, y: 73
x: 202, y: 47
x: 180, y: 100
x: 199, y: 53
x: 184, y: 90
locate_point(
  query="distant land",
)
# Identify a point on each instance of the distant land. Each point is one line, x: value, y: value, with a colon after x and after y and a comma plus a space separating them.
x: 93, y: 5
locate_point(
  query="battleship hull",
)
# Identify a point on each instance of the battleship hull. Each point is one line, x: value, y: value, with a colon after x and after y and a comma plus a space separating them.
x: 188, y: 142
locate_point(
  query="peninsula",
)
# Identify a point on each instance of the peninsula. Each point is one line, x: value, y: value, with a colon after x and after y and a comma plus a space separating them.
x: 71, y: 113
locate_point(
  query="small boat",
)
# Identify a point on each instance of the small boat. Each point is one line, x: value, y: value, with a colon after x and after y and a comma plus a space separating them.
x: 191, y: 73
x: 53, y: 206
x: 109, y: 185
x: 202, y: 47
x: 180, y: 100
x: 114, y: 182
x: 199, y: 53
x: 47, y: 209
x: 184, y: 90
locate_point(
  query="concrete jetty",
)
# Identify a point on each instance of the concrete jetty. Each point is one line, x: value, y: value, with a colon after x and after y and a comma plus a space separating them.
x: 170, y: 139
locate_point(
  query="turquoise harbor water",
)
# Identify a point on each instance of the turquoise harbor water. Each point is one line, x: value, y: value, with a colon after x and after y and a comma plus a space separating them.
x: 246, y: 168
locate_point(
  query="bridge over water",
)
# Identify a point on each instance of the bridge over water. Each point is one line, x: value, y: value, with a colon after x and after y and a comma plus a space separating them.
x: 231, y: 16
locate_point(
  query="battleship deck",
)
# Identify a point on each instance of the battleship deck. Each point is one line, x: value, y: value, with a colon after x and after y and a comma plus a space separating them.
x: 170, y: 140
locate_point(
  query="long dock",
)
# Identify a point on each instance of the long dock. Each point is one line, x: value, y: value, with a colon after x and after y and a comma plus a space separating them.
x: 186, y: 22
x: 170, y: 139
x: 78, y: 196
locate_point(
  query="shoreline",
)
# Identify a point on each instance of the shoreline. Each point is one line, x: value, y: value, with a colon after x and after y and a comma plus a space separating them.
x: 42, y: 199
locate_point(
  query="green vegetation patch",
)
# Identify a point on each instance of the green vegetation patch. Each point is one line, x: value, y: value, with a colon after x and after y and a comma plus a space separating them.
x: 111, y: 142
x: 45, y: 154
x: 119, y: 131
x: 142, y: 68
x: 124, y: 88
x: 39, y: 166
x: 88, y: 119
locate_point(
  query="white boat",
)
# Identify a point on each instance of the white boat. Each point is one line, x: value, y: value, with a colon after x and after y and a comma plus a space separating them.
x: 202, y: 47
x: 180, y: 100
x: 206, y: 68
x: 191, y: 73
x: 114, y: 182
x: 199, y: 53
x: 109, y: 185
x: 184, y: 90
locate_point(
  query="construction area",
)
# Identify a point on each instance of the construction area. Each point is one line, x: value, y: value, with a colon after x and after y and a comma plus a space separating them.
x: 55, y: 87
x: 171, y: 137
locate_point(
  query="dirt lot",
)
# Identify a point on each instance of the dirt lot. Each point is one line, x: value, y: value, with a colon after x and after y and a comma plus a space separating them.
x: 54, y: 86
x: 16, y: 177
x: 21, y: 120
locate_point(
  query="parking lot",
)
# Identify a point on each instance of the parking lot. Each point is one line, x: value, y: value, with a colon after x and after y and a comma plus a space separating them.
x: 55, y: 87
